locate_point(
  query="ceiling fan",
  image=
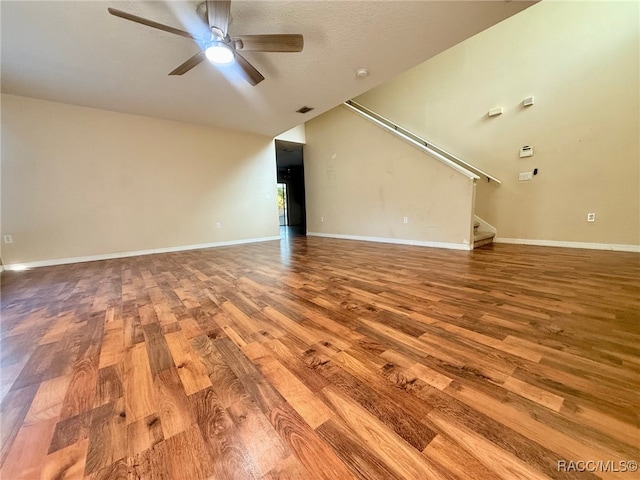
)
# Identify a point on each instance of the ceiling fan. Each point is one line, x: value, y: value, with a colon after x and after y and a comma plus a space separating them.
x: 220, y: 48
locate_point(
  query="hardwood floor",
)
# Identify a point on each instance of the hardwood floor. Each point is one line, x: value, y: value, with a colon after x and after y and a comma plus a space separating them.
x: 324, y: 359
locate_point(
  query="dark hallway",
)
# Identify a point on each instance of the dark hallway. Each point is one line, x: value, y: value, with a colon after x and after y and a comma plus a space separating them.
x: 290, y: 171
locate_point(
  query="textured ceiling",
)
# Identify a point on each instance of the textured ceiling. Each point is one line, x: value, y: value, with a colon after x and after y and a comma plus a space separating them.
x: 75, y: 52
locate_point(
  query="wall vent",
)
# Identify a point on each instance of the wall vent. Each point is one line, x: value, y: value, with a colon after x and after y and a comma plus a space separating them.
x: 304, y: 109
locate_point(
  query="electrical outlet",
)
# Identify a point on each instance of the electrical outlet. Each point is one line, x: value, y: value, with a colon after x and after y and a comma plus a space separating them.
x: 525, y: 176
x: 218, y: 225
x: 591, y: 217
x: 405, y: 219
x: 8, y: 239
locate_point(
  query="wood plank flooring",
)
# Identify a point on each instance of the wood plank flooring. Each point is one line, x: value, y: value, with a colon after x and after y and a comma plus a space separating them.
x: 317, y: 358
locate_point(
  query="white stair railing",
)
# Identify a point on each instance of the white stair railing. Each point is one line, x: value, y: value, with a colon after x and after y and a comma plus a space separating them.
x: 447, y: 158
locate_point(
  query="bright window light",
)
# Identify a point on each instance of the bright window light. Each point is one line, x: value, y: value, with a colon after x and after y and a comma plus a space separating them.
x: 219, y: 53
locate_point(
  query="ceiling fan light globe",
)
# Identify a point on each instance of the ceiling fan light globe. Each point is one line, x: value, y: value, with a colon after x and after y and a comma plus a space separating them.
x: 219, y: 53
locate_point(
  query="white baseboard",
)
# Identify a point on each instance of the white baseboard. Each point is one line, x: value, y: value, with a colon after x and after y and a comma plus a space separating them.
x: 397, y: 241
x: 555, y: 243
x: 109, y: 256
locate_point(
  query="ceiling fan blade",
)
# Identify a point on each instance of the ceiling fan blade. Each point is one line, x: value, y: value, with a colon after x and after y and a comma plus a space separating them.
x: 189, y: 64
x: 218, y: 14
x: 248, y: 71
x: 270, y: 43
x: 150, y: 23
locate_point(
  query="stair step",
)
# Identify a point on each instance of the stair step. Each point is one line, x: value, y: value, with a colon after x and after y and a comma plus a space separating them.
x: 482, y: 238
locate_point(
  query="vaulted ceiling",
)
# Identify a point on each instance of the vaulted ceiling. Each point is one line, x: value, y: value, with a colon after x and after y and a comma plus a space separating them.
x: 75, y: 52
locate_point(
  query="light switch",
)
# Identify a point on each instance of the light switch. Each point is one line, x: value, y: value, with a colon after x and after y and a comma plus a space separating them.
x: 525, y: 176
x: 526, y: 151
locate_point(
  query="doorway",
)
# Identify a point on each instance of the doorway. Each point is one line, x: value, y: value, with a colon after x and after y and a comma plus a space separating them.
x: 291, y: 193
x: 282, y: 205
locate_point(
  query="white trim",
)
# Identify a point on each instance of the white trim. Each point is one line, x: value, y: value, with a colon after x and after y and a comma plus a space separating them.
x: 555, y: 243
x: 110, y: 256
x: 484, y: 226
x: 398, y: 241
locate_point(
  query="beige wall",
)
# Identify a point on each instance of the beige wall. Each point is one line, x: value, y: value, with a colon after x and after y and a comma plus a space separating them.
x: 295, y: 134
x: 363, y: 181
x: 81, y: 182
x: 580, y: 60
